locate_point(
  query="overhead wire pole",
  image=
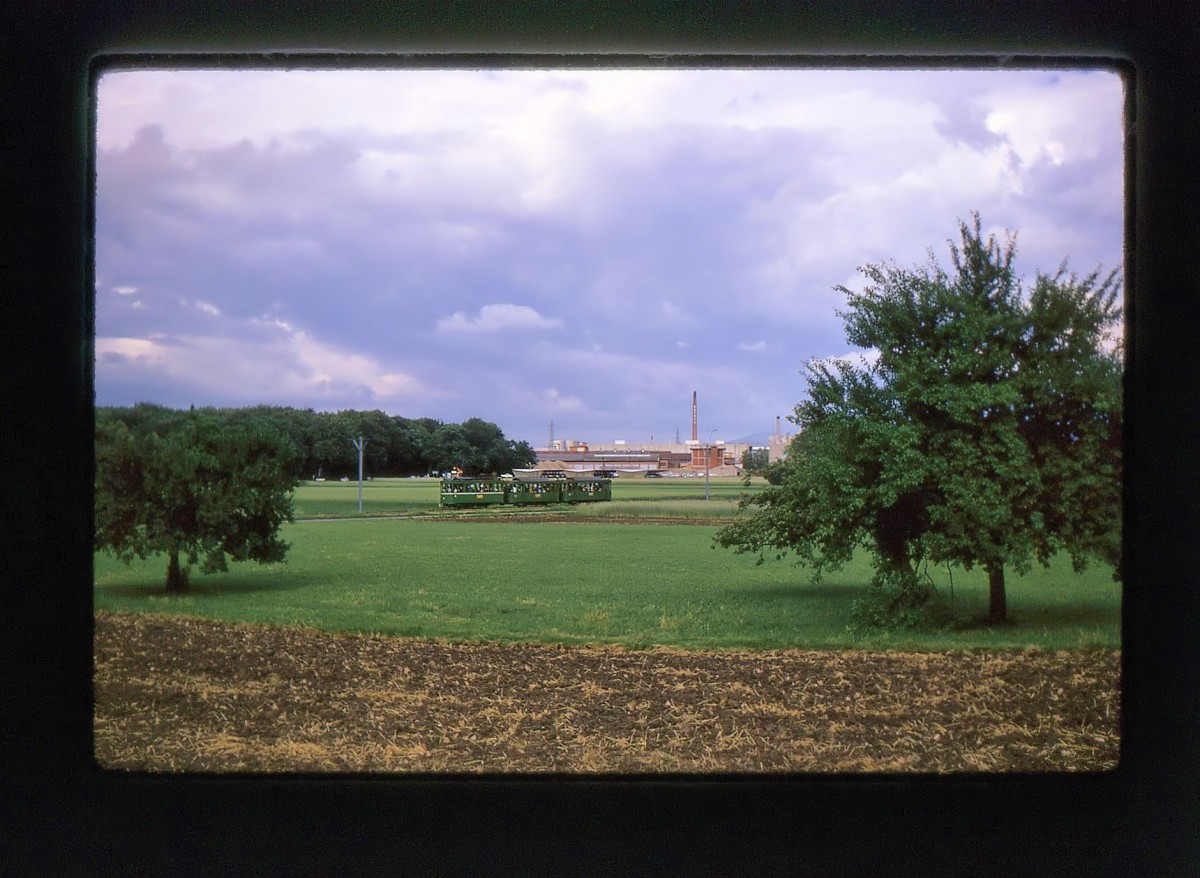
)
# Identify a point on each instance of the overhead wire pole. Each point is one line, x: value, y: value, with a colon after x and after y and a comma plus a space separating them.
x: 360, y: 443
x: 707, y: 459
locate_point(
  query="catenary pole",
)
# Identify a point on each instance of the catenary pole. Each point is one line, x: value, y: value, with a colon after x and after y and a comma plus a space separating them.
x: 707, y: 458
x: 359, y: 443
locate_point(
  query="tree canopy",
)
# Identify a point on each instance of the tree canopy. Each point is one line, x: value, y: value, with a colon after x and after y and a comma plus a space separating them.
x: 755, y: 460
x: 192, y: 487
x: 982, y: 426
x: 478, y: 446
x: 321, y: 442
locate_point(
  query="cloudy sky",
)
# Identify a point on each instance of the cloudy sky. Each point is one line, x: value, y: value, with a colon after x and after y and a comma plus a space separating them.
x: 579, y: 246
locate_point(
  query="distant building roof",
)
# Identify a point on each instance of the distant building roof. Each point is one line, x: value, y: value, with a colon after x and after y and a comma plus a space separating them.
x: 608, y: 456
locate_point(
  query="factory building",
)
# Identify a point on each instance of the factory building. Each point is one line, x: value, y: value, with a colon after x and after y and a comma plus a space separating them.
x: 777, y: 443
x: 668, y: 458
x: 619, y: 457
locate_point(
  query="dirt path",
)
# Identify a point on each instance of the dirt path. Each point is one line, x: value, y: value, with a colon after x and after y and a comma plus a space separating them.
x: 196, y: 695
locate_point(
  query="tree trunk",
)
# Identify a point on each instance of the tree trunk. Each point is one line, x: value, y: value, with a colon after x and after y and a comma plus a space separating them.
x: 177, y: 577
x: 997, y: 603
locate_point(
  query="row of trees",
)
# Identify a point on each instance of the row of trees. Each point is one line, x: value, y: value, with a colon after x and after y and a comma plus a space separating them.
x: 212, y: 485
x: 321, y: 443
x: 986, y: 432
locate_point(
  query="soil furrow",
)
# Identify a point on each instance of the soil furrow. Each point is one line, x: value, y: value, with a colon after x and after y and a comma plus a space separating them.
x: 175, y: 693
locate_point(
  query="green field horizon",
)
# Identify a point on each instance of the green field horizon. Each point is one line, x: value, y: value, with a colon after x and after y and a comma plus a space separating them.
x: 591, y: 581
x: 632, y: 496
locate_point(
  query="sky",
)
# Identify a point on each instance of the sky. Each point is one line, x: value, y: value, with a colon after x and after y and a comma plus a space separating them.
x: 569, y: 246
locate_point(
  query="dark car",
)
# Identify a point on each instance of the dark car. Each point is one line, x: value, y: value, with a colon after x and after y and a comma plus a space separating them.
x: 604, y: 473
x: 653, y: 474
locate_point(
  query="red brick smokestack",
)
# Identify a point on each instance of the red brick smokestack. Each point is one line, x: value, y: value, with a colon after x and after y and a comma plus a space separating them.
x: 694, y: 436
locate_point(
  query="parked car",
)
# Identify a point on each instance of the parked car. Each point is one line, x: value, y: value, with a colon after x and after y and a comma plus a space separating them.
x: 604, y: 473
x: 653, y: 474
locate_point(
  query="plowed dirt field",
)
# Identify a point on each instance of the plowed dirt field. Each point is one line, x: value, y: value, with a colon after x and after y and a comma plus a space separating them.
x: 179, y: 694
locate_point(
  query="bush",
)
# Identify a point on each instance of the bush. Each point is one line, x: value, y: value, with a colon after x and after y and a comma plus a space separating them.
x: 900, y: 599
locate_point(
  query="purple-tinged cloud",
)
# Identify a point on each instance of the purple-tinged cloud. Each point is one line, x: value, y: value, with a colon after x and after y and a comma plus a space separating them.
x: 587, y: 246
x: 498, y: 318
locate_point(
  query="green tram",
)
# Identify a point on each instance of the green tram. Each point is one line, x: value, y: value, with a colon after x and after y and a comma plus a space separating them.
x: 486, y: 491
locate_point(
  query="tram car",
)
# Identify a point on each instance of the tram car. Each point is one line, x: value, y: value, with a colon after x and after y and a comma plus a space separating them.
x: 488, y: 491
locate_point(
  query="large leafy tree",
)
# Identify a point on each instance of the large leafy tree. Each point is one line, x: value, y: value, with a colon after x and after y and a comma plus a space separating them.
x: 755, y: 460
x: 476, y: 446
x: 985, y: 431
x: 193, y: 486
x: 404, y: 448
x: 495, y: 453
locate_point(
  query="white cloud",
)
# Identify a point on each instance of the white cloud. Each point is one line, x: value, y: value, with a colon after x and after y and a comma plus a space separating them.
x: 271, y: 321
x: 498, y: 318
x: 285, y: 365
x: 562, y: 402
x: 866, y: 358
x: 753, y: 347
x: 125, y: 291
x: 199, y: 305
x: 392, y: 385
x: 138, y: 349
x: 1056, y: 124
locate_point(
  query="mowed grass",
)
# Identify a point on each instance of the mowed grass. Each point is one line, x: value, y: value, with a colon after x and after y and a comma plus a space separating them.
x: 379, y: 497
x: 633, y: 497
x: 588, y: 582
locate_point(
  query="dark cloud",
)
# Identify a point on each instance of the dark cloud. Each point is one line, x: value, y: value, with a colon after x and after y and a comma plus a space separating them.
x: 602, y: 266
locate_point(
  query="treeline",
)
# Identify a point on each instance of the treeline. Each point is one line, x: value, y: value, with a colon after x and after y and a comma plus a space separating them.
x: 321, y: 444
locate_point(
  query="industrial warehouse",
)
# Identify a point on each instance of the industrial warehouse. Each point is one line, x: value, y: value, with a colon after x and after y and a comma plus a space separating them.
x: 620, y: 458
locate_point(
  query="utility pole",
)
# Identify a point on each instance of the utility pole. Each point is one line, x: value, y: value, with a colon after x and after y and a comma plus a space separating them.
x: 707, y: 458
x: 360, y: 443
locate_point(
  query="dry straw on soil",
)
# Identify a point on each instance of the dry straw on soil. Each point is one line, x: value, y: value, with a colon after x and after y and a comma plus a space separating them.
x: 177, y: 694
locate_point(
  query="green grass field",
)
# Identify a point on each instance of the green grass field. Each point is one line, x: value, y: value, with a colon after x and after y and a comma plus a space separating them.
x: 632, y: 497
x: 380, y: 497
x: 627, y: 583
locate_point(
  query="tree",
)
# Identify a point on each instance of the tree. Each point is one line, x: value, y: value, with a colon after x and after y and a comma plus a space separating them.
x: 476, y: 446
x: 193, y: 486
x: 333, y: 444
x: 986, y: 431
x: 492, y: 452
x: 294, y: 424
x: 404, y: 448
x: 447, y: 448
x: 755, y: 460
x: 520, y: 454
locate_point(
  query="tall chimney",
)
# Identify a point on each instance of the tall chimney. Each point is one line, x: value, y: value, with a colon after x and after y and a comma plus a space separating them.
x: 777, y: 425
x: 694, y: 425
